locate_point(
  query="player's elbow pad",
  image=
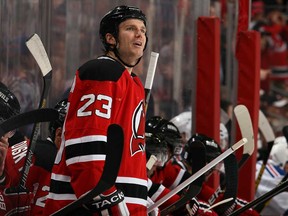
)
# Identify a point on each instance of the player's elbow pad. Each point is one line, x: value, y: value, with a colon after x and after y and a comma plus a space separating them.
x: 110, y: 204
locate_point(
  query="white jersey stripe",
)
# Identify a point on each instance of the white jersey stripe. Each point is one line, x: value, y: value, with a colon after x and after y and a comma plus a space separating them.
x: 86, y: 139
x: 158, y: 193
x: 62, y: 178
x: 86, y: 158
x: 177, y: 180
x: 138, y: 201
x: 130, y: 180
x: 62, y: 196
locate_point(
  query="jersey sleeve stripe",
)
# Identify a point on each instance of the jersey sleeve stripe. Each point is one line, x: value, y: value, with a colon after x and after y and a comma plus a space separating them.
x: 178, y: 179
x: 86, y: 158
x: 61, y: 187
x: 60, y: 177
x: 85, y: 139
x: 90, y: 149
x: 62, y: 196
x: 157, y: 193
x: 129, y: 180
x: 133, y: 190
x: 132, y: 200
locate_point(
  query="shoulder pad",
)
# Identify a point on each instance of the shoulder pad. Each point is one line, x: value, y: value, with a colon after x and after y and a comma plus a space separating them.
x: 101, y: 69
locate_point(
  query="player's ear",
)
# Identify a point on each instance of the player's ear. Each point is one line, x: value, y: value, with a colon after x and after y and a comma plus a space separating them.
x: 110, y: 39
x: 57, y: 139
x: 58, y: 131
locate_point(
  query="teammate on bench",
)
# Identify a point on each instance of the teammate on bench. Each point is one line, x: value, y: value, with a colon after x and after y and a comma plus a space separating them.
x: 32, y: 201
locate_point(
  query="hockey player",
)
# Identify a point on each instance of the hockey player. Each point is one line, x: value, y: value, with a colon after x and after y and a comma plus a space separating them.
x: 105, y: 91
x: 183, y: 122
x: 32, y: 201
x: 162, y: 139
x: 209, y: 194
x: 271, y: 177
x: 45, y: 153
x: 173, y: 140
x: 9, y: 106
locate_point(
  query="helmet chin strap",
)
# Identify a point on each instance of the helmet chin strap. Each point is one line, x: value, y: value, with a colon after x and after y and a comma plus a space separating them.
x: 115, y: 50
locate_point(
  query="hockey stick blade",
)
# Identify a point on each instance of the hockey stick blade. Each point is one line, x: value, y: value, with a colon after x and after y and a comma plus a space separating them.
x: 198, y: 156
x: 265, y: 197
x: 37, y: 49
x: 150, y: 76
x: 245, y: 124
x: 150, y: 163
x: 269, y: 136
x: 266, y: 128
x: 31, y: 117
x: 114, y: 149
x: 199, y: 173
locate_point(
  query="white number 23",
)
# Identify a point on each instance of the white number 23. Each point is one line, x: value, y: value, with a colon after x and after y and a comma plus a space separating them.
x: 106, y: 104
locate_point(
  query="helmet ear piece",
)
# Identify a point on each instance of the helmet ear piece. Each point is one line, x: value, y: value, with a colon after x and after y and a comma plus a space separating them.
x: 61, y: 107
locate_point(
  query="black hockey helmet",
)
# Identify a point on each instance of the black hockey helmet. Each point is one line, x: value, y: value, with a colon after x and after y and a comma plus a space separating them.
x: 157, y: 146
x: 163, y: 127
x: 9, y: 104
x: 110, y: 22
x: 157, y: 124
x: 213, y: 149
x: 61, y: 107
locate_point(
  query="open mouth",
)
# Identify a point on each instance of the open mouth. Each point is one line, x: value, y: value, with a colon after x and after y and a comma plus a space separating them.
x: 138, y: 43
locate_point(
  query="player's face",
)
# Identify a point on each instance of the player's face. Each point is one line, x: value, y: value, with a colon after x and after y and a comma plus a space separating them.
x: 132, y: 39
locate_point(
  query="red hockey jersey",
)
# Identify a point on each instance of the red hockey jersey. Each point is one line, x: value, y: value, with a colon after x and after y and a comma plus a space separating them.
x: 38, y: 180
x: 103, y: 93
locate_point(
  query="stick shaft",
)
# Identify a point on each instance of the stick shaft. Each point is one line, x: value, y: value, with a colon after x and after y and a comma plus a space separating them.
x: 198, y: 174
x: 150, y: 76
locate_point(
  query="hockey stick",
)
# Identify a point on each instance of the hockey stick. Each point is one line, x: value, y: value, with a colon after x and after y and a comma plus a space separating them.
x: 150, y: 76
x: 37, y: 49
x: 231, y: 189
x: 199, y: 173
x: 280, y: 188
x: 31, y: 117
x: 150, y: 163
x: 198, y: 155
x: 114, y: 149
x: 219, y: 203
x: 269, y: 136
x: 259, y: 207
x: 245, y: 124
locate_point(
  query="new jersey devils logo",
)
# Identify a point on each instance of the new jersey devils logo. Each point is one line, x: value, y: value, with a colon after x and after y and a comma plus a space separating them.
x: 138, y: 130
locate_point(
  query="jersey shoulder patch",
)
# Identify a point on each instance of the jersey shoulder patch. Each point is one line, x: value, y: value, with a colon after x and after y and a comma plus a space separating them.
x: 101, y: 69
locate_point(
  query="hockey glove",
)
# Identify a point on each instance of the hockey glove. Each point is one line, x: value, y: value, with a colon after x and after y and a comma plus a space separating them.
x: 190, y: 209
x: 12, y: 202
x: 110, y: 204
